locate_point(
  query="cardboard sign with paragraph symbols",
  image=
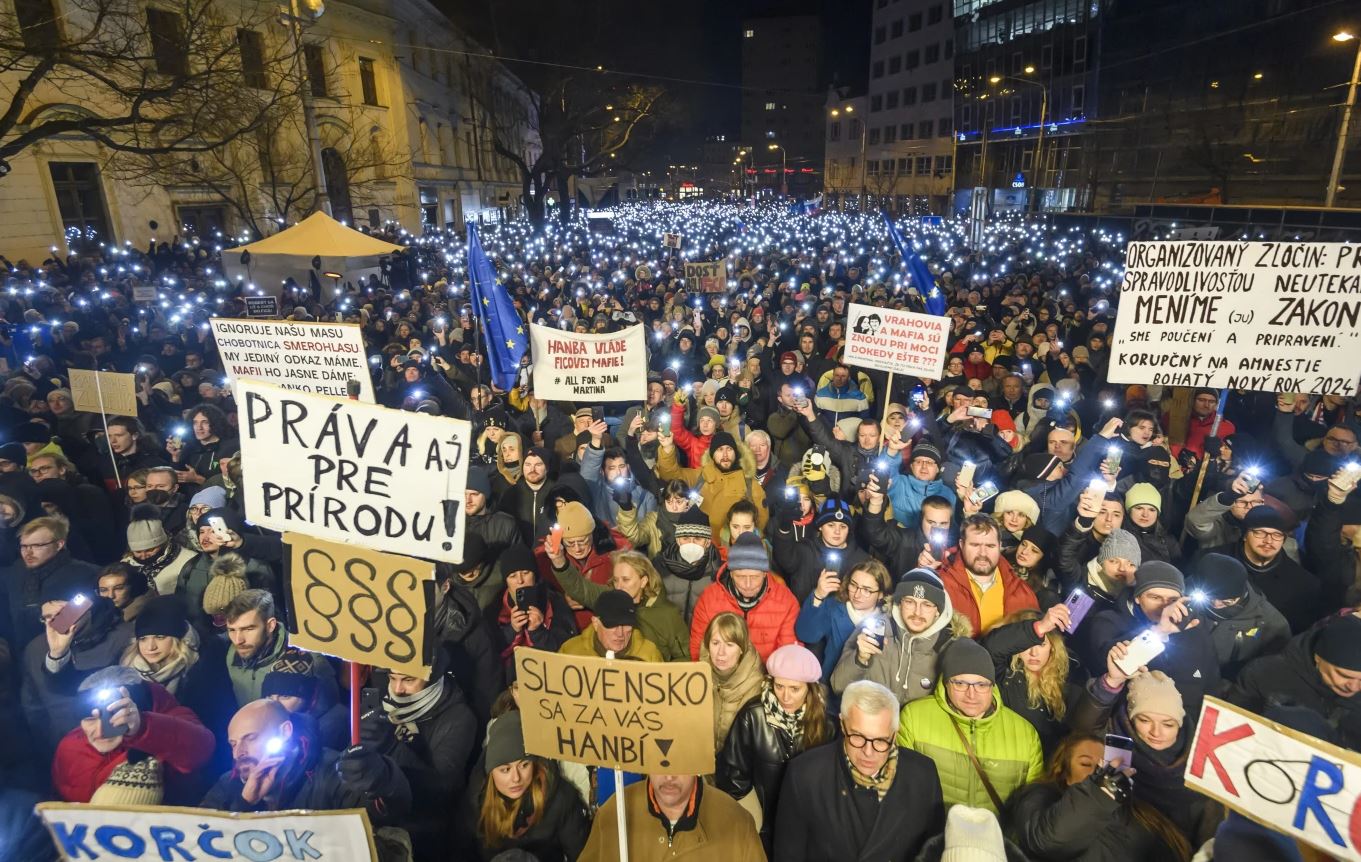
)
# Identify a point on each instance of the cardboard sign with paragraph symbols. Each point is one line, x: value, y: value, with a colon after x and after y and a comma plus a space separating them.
x: 360, y: 605
x: 648, y: 717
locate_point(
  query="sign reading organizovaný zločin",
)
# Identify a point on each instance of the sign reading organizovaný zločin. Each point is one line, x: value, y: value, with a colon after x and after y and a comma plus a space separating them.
x: 1260, y: 316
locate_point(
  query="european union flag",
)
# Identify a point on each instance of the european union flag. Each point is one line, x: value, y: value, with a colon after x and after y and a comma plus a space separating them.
x: 916, y: 267
x: 504, y: 333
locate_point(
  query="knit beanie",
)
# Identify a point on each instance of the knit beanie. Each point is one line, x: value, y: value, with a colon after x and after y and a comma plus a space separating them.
x: 576, y: 521
x: 1018, y: 501
x: 478, y: 481
x: 1340, y: 643
x: 1157, y: 574
x: 834, y: 510
x: 292, y: 675
x: 164, y: 616
x: 1038, y: 465
x: 518, y: 558
x: 1154, y: 692
x: 214, y: 497
x: 1264, y: 517
x: 15, y: 453
x: 1143, y: 494
x: 1040, y: 538
x: 145, y: 534
x: 693, y: 523
x: 1222, y: 577
x: 722, y: 438
x: 1120, y: 545
x: 921, y: 583
x: 748, y: 553
x: 226, y: 580
x: 136, y: 781
x: 925, y: 450
x: 1319, y: 463
x: 711, y: 413
x: 505, y: 740
x: 966, y: 655
x: 973, y: 835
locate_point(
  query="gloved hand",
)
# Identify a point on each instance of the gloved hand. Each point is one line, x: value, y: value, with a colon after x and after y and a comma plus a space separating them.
x: 621, y: 490
x: 788, y: 507
x: 361, y: 769
x: 375, y: 732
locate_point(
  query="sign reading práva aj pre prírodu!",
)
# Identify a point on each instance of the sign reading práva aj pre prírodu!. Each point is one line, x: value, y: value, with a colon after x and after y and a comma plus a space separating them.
x: 307, y: 357
x: 1260, y: 316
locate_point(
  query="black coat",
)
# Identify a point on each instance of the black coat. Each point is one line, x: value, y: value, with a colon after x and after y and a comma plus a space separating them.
x: 754, y: 757
x: 470, y: 649
x: 801, y: 562
x: 822, y: 812
x: 1079, y: 823
x: 1289, y: 587
x: 897, y: 546
x: 1003, y: 642
x: 24, y: 586
x: 558, y: 836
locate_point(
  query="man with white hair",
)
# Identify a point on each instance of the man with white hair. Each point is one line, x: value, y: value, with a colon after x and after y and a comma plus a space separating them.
x: 865, y: 798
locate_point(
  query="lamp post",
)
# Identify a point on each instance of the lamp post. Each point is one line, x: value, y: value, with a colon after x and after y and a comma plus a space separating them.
x: 850, y: 109
x: 784, y: 184
x: 1044, y: 110
x: 314, y: 10
x: 1335, y: 177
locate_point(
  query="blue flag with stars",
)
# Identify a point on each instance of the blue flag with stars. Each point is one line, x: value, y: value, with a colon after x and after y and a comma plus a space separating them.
x: 505, y: 337
x: 916, y: 267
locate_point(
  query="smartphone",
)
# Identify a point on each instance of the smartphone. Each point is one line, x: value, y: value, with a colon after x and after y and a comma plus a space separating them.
x: 552, y: 545
x: 831, y: 562
x: 978, y: 413
x: 1079, y: 603
x: 597, y: 413
x: 104, y: 699
x: 1142, y: 650
x: 75, y: 610
x: 920, y: 397
x: 1119, y: 748
x: 523, y: 597
x: 983, y: 493
x: 966, y: 473
x: 370, y: 702
x: 940, y: 540
x: 874, y: 628
x: 219, y: 527
x: 1112, y: 460
x: 1250, y: 481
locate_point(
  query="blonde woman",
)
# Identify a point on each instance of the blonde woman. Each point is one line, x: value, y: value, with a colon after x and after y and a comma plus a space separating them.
x: 658, y: 620
x: 738, y: 676
x: 1034, y: 672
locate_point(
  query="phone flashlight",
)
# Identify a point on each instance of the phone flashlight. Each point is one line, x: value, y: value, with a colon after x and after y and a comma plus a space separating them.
x: 106, y: 696
x: 1198, y: 597
x: 274, y: 745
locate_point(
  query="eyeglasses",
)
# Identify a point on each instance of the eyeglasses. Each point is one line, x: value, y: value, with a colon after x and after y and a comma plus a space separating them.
x: 1264, y: 535
x: 42, y: 469
x: 960, y: 686
x: 859, y: 740
x: 36, y: 545
x: 860, y: 589
x: 577, y: 543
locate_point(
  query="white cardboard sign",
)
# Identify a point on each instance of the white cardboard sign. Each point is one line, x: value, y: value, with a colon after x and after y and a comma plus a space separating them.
x: 307, y: 357
x: 903, y: 342
x: 573, y: 366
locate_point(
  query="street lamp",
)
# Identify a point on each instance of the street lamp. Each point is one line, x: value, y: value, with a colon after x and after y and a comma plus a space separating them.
x: 850, y: 109
x: 784, y: 184
x: 303, y: 12
x: 1044, y: 110
x: 1340, y: 153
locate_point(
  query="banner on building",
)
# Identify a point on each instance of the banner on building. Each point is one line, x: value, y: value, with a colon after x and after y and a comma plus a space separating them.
x: 320, y: 358
x: 262, y: 306
x: 84, y: 832
x: 109, y: 392
x: 575, y: 366
x: 903, y: 342
x: 706, y: 276
x: 353, y: 472
x: 1259, y: 316
x: 1287, y: 781
x: 649, y: 717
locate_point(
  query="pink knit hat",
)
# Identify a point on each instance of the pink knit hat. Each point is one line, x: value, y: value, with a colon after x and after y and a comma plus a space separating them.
x: 794, y: 662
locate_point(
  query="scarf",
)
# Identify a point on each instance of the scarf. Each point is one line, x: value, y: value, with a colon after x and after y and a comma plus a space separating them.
x: 151, y: 568
x: 673, y: 564
x: 790, y: 722
x: 882, y: 780
x: 405, y: 710
x: 743, y: 602
x: 524, y: 637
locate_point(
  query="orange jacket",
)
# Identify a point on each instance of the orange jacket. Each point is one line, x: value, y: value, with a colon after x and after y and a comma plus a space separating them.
x: 1016, y: 593
x: 770, y: 623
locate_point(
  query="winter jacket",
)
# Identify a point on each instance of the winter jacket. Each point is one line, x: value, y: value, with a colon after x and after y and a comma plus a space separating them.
x: 770, y: 622
x: 1155, y: 543
x: 1245, y: 631
x: 1079, y: 823
x: 649, y: 532
x: 685, y: 582
x: 559, y: 626
x: 497, y: 529
x: 1286, y: 585
x: 171, y: 733
x: 526, y: 506
x: 1004, y: 743
x: 1056, y: 498
x: 1189, y: 658
x: 719, y: 489
x: 824, y: 815
x: 658, y: 619
x: 1326, y: 554
x: 827, y: 624
x: 50, y: 699
x: 897, y: 546
x: 473, y: 659
x: 754, y: 757
x: 602, y: 504
x: 907, y: 664
x: 557, y: 836
x: 597, y: 568
x: 788, y: 435
x: 1291, y: 676
x: 846, y: 454
x: 723, y: 830
x: 693, y: 444
x: 1016, y: 593
x: 802, y: 562
x: 163, y: 575
x: 196, y: 574
x: 587, y: 644
x: 906, y: 493
x: 1002, y: 643
x: 24, y: 587
x: 248, y: 675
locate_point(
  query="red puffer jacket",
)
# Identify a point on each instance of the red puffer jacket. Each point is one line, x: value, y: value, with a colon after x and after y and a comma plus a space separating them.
x: 770, y: 623
x: 171, y: 733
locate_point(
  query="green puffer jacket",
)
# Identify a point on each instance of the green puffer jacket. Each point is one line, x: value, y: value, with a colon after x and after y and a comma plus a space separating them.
x: 1006, y: 744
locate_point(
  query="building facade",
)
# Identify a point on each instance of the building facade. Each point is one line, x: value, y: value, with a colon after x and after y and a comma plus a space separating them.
x: 404, y: 122
x: 843, y: 174
x: 782, y: 104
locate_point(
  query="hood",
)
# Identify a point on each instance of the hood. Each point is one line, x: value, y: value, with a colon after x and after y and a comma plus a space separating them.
x: 745, y: 461
x: 958, y: 623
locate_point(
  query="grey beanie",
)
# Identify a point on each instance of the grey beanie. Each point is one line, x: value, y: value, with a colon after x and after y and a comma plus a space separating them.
x: 1155, y: 574
x: 505, y: 741
x: 1120, y: 545
x: 711, y: 413
x: 966, y: 655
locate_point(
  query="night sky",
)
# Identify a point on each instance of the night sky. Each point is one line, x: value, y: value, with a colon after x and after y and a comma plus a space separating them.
x: 699, y: 40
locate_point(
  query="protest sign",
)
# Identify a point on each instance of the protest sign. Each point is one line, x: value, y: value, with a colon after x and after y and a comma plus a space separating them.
x: 360, y: 605
x: 1260, y: 316
x: 1287, y: 781
x: 153, y: 832
x: 902, y: 342
x: 306, y: 357
x: 262, y: 306
x: 107, y: 392
x: 671, y: 240
x: 575, y: 366
x: 706, y: 276
x: 144, y: 293
x: 650, y: 717
x: 354, y: 472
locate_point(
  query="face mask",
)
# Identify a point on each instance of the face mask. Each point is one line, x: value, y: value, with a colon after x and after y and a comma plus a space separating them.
x: 691, y: 552
x: 511, y: 465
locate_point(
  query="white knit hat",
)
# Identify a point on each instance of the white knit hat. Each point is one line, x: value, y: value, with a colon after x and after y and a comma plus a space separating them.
x: 972, y: 835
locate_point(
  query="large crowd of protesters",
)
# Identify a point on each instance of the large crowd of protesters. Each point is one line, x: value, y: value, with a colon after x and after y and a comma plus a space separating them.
x: 924, y: 602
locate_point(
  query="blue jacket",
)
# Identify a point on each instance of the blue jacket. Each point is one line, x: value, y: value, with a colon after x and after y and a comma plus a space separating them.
x: 835, y: 404
x: 1056, y: 499
x: 907, y: 493
x: 603, y: 507
x: 828, y: 622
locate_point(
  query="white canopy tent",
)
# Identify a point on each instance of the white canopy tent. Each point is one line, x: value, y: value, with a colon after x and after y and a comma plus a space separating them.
x: 349, y: 252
